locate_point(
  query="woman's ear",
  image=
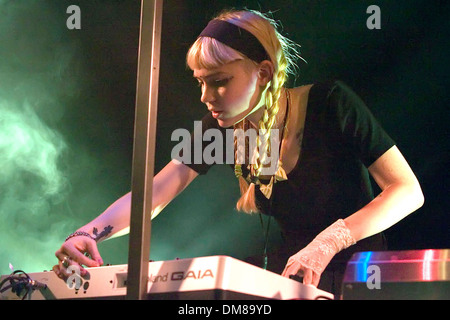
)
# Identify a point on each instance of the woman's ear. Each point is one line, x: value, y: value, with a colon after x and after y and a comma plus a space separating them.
x: 265, y: 72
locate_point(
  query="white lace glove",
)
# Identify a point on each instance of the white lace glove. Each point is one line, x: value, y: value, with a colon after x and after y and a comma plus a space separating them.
x: 314, y: 258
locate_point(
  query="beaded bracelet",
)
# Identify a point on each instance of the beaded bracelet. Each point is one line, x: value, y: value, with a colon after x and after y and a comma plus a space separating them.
x: 80, y: 233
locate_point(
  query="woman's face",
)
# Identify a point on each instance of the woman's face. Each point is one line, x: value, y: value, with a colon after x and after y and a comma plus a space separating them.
x: 231, y: 92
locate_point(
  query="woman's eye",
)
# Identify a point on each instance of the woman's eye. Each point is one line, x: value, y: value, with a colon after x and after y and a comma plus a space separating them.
x: 221, y: 82
x: 215, y: 83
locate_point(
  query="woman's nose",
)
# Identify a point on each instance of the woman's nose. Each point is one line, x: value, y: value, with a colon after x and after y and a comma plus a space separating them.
x: 207, y: 94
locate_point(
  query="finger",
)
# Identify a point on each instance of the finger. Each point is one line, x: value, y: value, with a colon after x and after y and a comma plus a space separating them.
x: 57, y: 271
x: 78, y: 256
x: 95, y: 254
x: 289, y: 270
x: 283, y: 274
x: 59, y: 254
x: 308, y: 276
x: 315, y: 279
x: 65, y: 262
x: 311, y: 278
x: 65, y: 257
x: 61, y: 270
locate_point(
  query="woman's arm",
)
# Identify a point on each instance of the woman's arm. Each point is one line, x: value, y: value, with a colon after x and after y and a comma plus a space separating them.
x: 167, y: 184
x: 401, y: 195
x: 115, y: 220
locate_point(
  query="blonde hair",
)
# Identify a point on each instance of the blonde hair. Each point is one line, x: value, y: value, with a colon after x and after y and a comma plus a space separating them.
x: 209, y: 53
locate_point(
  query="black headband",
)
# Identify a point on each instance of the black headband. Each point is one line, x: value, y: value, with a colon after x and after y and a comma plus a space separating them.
x: 237, y: 38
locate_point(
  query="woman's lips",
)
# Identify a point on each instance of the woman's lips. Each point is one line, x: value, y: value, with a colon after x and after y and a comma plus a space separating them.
x: 216, y: 114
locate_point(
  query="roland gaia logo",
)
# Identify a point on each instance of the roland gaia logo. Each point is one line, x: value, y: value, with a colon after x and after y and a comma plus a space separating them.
x: 182, y: 275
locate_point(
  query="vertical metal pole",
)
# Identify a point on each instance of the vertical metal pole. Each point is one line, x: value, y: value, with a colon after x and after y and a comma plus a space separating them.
x: 144, y: 148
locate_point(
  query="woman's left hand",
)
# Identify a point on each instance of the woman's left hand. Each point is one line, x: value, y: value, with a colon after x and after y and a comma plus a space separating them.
x: 308, y: 263
x: 311, y: 261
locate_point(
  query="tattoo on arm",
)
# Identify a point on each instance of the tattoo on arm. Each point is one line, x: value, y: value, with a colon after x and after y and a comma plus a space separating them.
x: 102, y: 234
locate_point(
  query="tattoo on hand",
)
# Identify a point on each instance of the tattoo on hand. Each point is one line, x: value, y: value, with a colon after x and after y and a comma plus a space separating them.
x: 102, y: 234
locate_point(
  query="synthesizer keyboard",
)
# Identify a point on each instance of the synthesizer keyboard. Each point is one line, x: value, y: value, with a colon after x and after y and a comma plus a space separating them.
x: 204, y: 278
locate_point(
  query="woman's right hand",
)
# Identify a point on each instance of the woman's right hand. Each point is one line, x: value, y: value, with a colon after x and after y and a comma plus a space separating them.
x: 78, y: 251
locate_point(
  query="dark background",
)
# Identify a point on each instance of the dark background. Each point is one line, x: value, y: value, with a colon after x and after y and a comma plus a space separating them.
x: 74, y: 92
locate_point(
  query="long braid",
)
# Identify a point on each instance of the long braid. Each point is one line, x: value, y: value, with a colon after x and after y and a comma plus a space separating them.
x: 247, y: 201
x: 268, y: 121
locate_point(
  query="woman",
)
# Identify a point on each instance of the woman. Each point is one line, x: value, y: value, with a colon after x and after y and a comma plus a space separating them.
x: 319, y: 190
